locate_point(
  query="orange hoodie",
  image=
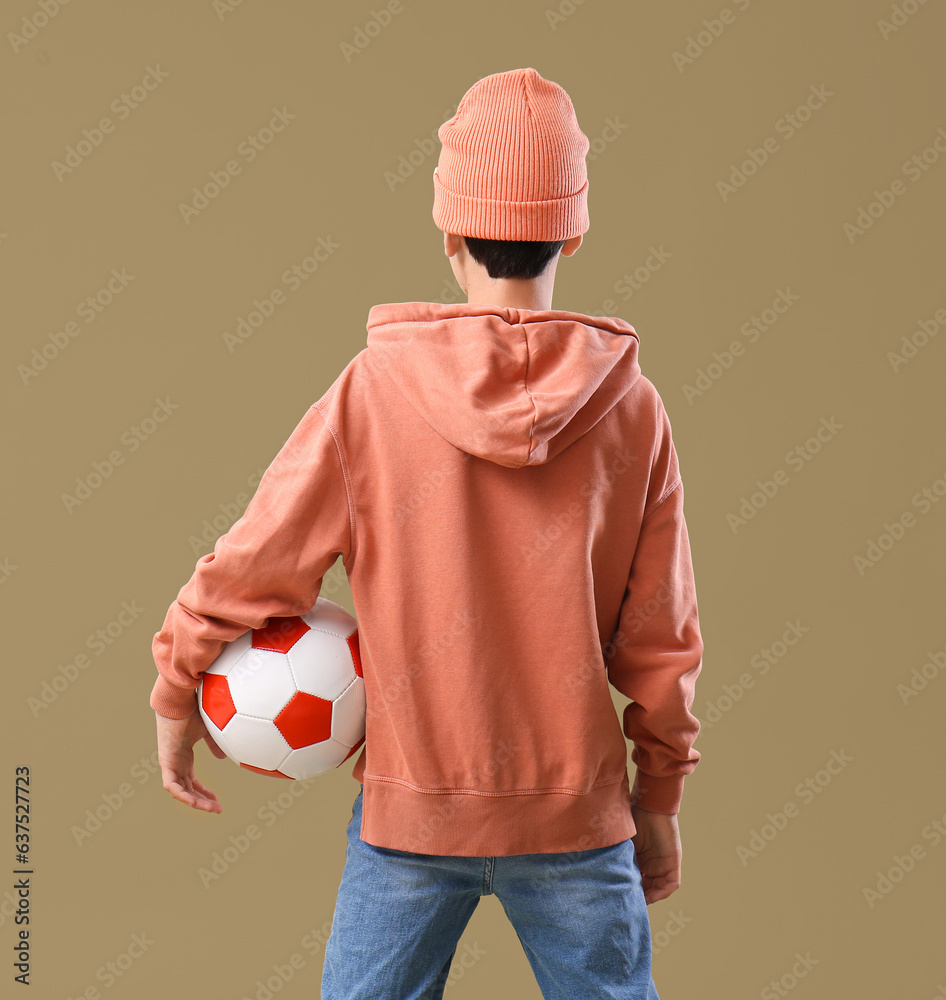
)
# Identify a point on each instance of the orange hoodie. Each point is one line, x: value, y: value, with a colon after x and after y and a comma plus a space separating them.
x: 504, y: 491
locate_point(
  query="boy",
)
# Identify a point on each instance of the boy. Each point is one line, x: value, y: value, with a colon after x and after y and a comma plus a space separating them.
x: 501, y: 483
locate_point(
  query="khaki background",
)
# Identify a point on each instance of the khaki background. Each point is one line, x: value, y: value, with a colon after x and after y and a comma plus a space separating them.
x: 114, y: 855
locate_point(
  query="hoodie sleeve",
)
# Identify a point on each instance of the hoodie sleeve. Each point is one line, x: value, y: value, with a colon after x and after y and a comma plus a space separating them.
x: 656, y: 651
x: 269, y: 564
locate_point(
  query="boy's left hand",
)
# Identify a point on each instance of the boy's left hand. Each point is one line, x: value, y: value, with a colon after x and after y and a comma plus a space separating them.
x: 176, y: 739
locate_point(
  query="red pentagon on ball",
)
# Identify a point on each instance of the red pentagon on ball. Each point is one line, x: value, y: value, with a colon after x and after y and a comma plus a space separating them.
x: 307, y: 719
x: 355, y: 652
x: 280, y: 634
x: 269, y: 774
x: 218, y: 704
x: 350, y: 752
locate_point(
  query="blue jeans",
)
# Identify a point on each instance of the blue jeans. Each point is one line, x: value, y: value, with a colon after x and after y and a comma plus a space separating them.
x: 580, y: 916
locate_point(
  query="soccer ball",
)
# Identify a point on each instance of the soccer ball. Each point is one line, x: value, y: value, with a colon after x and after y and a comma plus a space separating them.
x: 288, y: 700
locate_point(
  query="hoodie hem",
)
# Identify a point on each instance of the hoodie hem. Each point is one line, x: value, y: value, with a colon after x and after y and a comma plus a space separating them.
x: 401, y: 817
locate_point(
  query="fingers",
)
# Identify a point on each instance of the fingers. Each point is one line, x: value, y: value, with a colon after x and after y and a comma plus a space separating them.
x: 206, y: 792
x: 654, y: 895
x: 198, y: 798
x: 659, y: 887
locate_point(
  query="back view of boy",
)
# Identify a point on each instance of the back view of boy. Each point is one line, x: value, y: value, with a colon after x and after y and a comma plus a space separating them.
x: 502, y: 485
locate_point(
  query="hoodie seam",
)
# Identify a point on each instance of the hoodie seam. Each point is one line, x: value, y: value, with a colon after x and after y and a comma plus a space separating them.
x: 666, y: 496
x: 522, y: 322
x: 419, y: 322
x: 554, y: 789
x: 349, y: 492
x: 535, y: 409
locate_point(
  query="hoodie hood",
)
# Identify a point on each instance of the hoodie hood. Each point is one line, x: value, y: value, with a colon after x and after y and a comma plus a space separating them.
x: 513, y: 386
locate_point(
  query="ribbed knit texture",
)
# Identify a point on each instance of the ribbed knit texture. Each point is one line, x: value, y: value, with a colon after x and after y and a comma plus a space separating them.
x: 512, y: 162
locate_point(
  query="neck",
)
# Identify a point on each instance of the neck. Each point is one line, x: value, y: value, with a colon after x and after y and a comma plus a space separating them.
x: 512, y: 293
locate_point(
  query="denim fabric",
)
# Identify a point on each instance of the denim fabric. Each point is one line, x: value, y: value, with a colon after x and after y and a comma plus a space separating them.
x: 580, y: 916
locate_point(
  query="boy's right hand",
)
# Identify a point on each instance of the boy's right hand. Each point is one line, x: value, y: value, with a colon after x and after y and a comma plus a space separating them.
x: 176, y: 739
x: 659, y: 853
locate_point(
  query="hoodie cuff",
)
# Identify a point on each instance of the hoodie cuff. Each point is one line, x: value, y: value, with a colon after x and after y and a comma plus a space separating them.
x: 659, y: 795
x: 172, y: 701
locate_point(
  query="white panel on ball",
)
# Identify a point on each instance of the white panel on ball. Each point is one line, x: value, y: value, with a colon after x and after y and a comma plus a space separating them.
x: 231, y: 654
x: 321, y: 664
x: 330, y: 617
x: 348, y: 714
x: 261, y: 743
x: 262, y: 684
x: 218, y: 735
x: 307, y: 762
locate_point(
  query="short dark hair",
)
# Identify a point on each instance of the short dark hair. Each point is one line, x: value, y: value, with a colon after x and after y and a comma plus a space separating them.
x: 513, y: 258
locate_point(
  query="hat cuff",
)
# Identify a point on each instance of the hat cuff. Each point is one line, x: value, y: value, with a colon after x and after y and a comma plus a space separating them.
x: 555, y: 219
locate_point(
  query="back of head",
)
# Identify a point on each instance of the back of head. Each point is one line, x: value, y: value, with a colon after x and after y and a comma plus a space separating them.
x: 511, y: 178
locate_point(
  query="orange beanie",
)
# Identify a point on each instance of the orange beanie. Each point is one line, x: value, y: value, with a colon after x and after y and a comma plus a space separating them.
x: 512, y: 162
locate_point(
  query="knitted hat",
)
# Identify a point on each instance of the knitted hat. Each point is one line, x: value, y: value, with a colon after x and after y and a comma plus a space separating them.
x: 512, y: 162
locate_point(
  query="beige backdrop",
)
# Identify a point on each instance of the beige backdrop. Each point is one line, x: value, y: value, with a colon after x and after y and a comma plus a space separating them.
x: 766, y: 199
